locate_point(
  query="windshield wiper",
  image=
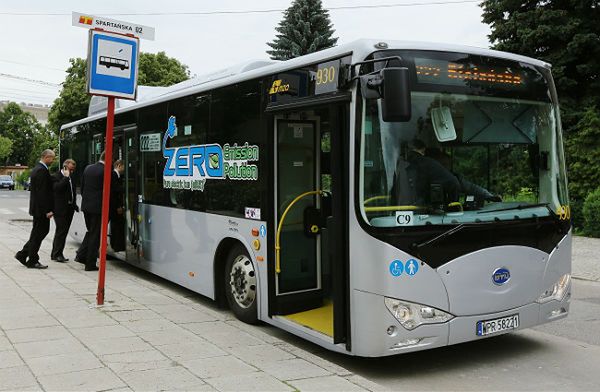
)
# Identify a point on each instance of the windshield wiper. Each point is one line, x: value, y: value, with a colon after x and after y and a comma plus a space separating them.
x: 519, y: 207
x: 447, y: 233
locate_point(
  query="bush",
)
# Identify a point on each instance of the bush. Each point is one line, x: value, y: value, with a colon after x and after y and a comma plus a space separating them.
x: 591, y: 214
x: 577, y: 216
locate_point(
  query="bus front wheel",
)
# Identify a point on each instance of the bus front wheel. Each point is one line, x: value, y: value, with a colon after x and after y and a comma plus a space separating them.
x: 240, y: 285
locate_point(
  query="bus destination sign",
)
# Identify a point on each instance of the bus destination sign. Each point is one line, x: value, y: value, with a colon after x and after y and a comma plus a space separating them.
x: 326, y: 77
x: 306, y: 82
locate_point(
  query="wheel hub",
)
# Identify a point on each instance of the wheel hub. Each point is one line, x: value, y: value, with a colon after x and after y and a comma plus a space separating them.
x: 243, y: 281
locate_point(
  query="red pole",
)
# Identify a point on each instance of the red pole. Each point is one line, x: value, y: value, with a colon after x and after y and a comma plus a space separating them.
x: 110, y: 116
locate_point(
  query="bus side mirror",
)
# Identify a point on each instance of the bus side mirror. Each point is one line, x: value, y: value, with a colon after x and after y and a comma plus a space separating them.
x: 392, y: 86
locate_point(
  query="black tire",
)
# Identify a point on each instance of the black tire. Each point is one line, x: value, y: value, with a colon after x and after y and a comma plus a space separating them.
x: 240, y: 285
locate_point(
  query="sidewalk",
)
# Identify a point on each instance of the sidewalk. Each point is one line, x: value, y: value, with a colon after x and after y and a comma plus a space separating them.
x: 151, y: 335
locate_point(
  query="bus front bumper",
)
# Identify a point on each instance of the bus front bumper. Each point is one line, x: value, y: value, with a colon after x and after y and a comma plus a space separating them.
x: 378, y: 333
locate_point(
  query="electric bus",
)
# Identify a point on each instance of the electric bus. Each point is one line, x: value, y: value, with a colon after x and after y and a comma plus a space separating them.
x: 374, y: 198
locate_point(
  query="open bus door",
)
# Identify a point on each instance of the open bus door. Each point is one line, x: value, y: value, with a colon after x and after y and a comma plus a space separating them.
x: 310, y: 225
x: 132, y: 187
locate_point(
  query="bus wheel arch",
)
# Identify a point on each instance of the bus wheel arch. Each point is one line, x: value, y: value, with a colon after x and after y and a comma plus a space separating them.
x: 236, y: 280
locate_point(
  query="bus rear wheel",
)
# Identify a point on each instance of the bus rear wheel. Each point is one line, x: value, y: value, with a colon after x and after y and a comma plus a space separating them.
x: 240, y: 285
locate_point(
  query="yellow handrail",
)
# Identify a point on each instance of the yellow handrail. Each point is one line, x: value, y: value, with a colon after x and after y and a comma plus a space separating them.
x: 390, y: 208
x: 374, y: 198
x: 280, y: 225
x: 456, y: 204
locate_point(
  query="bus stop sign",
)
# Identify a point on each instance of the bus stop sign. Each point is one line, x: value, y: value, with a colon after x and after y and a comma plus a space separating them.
x: 112, y: 64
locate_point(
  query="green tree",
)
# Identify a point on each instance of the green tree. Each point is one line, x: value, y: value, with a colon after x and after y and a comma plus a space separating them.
x: 73, y: 101
x: 20, y: 127
x: 305, y: 28
x: 584, y: 143
x: 43, y: 139
x: 565, y: 33
x: 161, y: 70
x: 5, y: 148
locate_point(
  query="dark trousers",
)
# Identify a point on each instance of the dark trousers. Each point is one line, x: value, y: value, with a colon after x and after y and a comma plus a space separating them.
x: 39, y: 231
x: 63, y: 222
x: 117, y: 232
x: 88, y: 251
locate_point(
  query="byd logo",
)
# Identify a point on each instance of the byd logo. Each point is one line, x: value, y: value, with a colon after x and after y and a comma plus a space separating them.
x: 501, y: 276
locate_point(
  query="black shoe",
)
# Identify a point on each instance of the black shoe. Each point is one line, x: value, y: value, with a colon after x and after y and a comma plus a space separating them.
x: 60, y: 259
x: 79, y: 260
x: 37, y: 265
x: 22, y: 260
x: 94, y: 268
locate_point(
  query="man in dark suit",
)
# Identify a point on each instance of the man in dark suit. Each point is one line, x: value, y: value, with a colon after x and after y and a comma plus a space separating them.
x: 65, y: 205
x: 117, y: 219
x: 41, y: 207
x: 92, y: 184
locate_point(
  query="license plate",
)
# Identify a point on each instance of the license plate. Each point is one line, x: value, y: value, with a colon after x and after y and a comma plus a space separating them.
x: 488, y: 327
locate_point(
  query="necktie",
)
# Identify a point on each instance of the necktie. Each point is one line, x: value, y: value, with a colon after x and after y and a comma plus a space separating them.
x: 71, y: 192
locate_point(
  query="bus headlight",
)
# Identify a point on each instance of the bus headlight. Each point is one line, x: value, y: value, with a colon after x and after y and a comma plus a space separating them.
x: 557, y: 291
x: 412, y: 315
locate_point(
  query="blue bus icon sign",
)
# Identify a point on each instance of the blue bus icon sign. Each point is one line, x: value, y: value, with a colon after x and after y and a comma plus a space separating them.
x: 112, y: 64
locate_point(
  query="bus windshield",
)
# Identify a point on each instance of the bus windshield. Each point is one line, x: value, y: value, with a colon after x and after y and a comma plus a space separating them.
x: 483, y: 144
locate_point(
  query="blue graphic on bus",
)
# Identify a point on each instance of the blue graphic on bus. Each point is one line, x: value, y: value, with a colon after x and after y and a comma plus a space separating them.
x: 189, y: 167
x: 263, y: 231
x: 396, y: 268
x: 194, y: 162
x: 411, y: 267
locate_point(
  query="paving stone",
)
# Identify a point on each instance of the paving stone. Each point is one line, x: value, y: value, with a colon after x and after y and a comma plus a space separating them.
x: 210, y: 327
x: 255, y: 355
x: 316, y: 360
x: 5, y: 343
x: 102, y: 379
x: 258, y: 331
x: 149, y: 325
x: 49, y: 348
x: 134, y: 315
x: 29, y: 322
x: 367, y: 384
x: 14, y: 378
x: 10, y: 358
x: 59, y: 303
x: 292, y: 369
x: 117, y: 345
x: 192, y: 350
x: 64, y: 363
x: 181, y: 313
x: 173, y: 378
x: 218, y: 366
x: 105, y: 332
x: 169, y: 336
x: 81, y: 318
x: 248, y: 382
x: 328, y: 383
x: 38, y: 334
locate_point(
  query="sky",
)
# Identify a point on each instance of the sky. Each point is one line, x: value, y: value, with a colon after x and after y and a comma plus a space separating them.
x: 37, y: 38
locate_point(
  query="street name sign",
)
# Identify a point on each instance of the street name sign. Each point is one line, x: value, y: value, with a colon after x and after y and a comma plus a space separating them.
x: 112, y: 64
x: 88, y: 21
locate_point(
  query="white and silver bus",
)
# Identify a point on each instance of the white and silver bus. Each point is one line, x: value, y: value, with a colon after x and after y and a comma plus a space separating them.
x: 374, y: 198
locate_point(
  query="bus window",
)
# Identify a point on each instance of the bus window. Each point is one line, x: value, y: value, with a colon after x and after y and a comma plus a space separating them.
x: 235, y: 118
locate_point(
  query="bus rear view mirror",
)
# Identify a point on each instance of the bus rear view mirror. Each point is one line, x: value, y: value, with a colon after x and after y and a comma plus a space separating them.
x: 396, y: 106
x: 441, y: 118
x: 392, y: 86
